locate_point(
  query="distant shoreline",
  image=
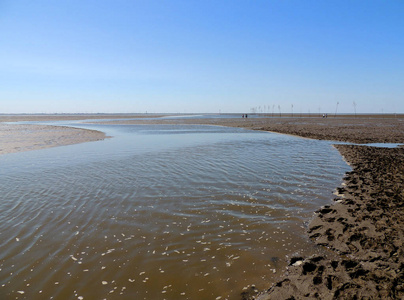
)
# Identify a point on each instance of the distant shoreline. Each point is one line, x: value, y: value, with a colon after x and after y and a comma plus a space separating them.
x: 366, y: 128
x: 353, y: 129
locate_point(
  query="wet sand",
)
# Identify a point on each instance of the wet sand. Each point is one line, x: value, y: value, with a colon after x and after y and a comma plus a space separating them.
x: 19, y: 138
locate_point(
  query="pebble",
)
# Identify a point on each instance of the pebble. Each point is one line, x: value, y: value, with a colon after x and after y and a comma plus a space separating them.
x: 298, y: 263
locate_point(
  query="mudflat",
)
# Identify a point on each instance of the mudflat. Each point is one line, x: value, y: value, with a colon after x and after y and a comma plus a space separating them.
x: 347, y: 128
x: 360, y: 129
x: 363, y: 229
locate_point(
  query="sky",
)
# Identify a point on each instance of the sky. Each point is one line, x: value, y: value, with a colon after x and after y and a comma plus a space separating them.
x: 201, y: 56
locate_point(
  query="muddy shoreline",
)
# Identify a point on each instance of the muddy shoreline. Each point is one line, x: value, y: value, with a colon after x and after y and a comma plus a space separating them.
x: 364, y: 129
x: 364, y: 228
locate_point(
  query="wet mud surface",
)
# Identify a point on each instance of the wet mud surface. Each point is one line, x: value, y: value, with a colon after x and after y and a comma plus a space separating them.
x: 354, y: 130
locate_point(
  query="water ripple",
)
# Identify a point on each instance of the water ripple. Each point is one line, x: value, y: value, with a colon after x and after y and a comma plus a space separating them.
x: 221, y: 207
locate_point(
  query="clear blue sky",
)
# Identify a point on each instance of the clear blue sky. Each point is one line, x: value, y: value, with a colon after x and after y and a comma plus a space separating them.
x: 201, y: 56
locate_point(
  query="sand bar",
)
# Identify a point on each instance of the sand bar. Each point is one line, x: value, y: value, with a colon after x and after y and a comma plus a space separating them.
x: 19, y: 138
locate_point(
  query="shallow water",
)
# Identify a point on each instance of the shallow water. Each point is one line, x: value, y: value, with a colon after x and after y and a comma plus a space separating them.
x: 159, y: 212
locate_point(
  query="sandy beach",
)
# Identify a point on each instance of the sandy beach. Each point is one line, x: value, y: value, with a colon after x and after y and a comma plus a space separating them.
x: 363, y: 229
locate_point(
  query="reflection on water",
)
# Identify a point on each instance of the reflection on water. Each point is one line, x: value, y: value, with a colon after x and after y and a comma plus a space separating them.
x: 159, y: 212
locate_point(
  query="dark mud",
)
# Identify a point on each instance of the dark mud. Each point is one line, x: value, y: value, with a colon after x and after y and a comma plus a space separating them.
x: 353, y: 130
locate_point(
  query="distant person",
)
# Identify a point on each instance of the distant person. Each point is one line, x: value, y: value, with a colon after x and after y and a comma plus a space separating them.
x: 246, y: 115
x: 243, y: 116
